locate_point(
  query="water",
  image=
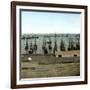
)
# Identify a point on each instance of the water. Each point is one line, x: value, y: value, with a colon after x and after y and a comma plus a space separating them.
x: 45, y: 39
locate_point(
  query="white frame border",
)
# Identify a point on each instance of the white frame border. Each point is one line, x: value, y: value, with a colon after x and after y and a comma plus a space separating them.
x: 53, y: 79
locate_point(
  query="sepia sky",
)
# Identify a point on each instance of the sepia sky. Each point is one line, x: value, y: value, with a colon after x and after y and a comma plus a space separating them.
x: 48, y: 22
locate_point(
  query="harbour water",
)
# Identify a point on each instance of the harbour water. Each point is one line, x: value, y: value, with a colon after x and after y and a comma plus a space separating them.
x: 37, y: 42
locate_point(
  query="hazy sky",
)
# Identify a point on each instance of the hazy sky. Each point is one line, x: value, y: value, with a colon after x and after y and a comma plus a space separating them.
x: 48, y: 22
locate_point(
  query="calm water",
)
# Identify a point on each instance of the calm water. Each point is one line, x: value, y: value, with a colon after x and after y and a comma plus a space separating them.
x: 45, y: 38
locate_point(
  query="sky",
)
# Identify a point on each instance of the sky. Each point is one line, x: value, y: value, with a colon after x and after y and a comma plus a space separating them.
x: 49, y: 22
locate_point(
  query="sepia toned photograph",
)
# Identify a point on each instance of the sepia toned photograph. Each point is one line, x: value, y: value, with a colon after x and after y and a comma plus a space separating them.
x: 50, y: 44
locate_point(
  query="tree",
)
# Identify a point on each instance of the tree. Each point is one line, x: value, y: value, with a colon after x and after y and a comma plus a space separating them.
x: 44, y: 48
x: 50, y: 45
x: 26, y: 46
x: 35, y: 48
x: 72, y: 46
x: 69, y: 46
x: 35, y: 45
x: 78, y: 45
x: 55, y: 46
x: 62, y: 46
x: 31, y: 48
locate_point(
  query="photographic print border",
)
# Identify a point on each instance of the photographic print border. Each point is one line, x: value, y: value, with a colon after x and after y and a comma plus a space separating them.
x: 14, y: 44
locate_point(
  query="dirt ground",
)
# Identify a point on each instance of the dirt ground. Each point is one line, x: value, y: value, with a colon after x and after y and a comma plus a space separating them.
x: 49, y: 66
